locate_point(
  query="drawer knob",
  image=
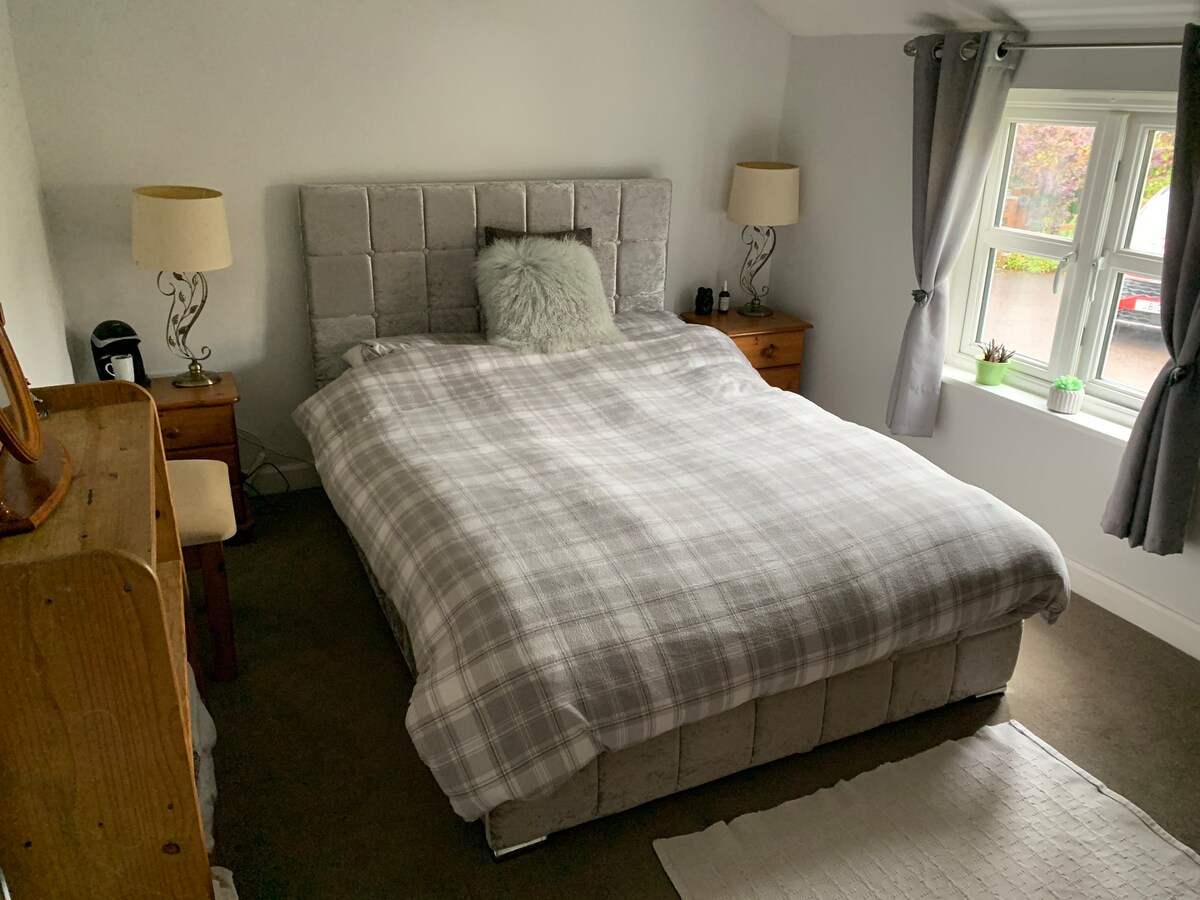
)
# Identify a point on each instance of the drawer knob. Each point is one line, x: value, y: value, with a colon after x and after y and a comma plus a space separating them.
x: 769, y: 351
x: 172, y: 432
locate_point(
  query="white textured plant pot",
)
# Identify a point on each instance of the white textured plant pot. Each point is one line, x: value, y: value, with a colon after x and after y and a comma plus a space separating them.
x: 1066, y: 402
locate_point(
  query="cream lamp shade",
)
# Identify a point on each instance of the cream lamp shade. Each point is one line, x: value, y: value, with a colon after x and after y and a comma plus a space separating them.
x: 765, y: 193
x: 180, y: 229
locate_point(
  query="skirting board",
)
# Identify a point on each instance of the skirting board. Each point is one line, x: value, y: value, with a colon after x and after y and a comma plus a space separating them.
x: 1149, y: 615
x: 299, y: 476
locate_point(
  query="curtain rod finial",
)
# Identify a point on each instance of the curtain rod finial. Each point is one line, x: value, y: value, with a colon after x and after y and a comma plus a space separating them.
x: 910, y: 47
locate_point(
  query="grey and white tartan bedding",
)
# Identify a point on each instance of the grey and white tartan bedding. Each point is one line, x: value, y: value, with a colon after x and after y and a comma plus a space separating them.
x: 592, y: 548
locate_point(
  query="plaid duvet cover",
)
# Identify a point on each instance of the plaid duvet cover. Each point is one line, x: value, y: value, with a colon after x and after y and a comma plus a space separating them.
x: 593, y: 548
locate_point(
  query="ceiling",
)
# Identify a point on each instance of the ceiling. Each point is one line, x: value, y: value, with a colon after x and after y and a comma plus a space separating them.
x: 827, y: 17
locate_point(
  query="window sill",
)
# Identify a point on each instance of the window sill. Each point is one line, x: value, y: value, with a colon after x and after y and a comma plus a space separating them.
x: 959, y: 378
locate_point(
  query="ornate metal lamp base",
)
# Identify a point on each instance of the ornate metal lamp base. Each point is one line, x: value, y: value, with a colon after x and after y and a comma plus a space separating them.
x: 755, y: 308
x: 188, y: 296
x: 761, y: 241
x: 195, y: 376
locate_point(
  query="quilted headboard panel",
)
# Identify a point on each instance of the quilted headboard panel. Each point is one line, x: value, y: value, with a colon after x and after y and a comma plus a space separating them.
x: 391, y: 259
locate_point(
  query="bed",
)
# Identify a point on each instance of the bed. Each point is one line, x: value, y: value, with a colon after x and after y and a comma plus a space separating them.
x: 626, y: 571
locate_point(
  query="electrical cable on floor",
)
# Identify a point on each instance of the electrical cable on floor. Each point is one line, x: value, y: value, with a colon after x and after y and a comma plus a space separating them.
x: 261, y: 462
x: 254, y: 440
x: 265, y: 498
x: 251, y: 438
x: 287, y: 485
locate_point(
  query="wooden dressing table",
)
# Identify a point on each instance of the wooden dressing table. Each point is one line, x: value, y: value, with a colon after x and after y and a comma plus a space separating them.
x: 96, y: 780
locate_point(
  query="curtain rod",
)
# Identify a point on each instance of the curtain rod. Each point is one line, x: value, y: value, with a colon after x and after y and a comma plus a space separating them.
x: 910, y: 48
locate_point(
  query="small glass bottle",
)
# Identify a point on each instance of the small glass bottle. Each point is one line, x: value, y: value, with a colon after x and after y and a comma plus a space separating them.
x: 723, y: 299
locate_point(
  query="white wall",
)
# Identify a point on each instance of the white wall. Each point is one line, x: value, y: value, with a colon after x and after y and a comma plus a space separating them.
x: 256, y: 98
x: 33, y: 306
x: 847, y: 266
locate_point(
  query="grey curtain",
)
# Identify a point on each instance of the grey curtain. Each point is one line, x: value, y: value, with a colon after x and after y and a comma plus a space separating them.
x: 957, y: 106
x: 1153, y: 494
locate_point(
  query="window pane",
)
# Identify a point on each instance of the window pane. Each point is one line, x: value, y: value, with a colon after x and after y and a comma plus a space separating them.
x: 1135, y: 353
x: 1020, y: 308
x: 1150, y: 223
x: 1047, y: 165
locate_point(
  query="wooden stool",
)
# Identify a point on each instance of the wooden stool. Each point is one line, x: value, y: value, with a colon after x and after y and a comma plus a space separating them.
x: 204, y: 513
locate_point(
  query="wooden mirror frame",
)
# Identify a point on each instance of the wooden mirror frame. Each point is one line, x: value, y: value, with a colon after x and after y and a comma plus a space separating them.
x: 35, y: 471
x: 22, y: 438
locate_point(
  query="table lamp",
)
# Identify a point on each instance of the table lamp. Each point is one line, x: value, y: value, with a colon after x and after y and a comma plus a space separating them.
x: 764, y: 194
x: 182, y: 232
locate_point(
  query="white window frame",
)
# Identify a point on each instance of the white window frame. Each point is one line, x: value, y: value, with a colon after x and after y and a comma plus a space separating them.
x: 1092, y: 261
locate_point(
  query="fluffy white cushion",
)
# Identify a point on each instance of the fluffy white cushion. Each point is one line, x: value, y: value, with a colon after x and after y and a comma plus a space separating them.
x: 541, y: 295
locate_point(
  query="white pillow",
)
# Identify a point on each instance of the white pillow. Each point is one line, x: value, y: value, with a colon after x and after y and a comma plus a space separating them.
x: 354, y: 356
x: 368, y: 351
x: 541, y: 295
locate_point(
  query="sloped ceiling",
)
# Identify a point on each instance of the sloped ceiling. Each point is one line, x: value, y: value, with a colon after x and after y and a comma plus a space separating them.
x: 828, y: 17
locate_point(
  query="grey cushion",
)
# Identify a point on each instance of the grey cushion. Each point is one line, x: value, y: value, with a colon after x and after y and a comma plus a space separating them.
x: 578, y: 235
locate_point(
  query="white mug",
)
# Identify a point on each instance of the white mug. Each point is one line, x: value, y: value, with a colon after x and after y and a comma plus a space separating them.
x: 120, y: 367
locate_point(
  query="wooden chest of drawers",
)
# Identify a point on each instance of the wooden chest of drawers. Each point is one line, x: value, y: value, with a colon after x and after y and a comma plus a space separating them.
x: 774, y: 344
x: 198, y: 423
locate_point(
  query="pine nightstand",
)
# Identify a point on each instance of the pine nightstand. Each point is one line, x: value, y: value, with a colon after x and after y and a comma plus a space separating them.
x: 198, y: 423
x: 774, y: 344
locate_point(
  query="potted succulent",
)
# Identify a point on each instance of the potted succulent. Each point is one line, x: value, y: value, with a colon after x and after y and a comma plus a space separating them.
x: 1066, y: 395
x: 990, y: 368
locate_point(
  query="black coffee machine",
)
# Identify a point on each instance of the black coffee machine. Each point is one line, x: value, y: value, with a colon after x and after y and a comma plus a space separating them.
x: 112, y: 338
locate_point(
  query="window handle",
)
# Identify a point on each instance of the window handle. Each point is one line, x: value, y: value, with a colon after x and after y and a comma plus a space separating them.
x: 1062, y: 265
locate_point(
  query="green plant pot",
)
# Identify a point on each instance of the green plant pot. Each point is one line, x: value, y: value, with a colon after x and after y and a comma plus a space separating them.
x: 990, y: 373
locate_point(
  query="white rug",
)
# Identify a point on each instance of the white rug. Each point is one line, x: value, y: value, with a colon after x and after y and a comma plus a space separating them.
x: 997, y: 814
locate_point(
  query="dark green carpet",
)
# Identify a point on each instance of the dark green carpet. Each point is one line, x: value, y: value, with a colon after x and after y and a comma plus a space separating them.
x: 323, y: 796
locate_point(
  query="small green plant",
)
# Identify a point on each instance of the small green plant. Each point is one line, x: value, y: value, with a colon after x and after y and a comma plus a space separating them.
x: 1068, y: 383
x: 995, y: 353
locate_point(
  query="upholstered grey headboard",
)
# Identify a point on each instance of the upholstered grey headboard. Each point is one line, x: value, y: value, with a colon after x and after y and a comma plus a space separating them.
x: 391, y: 259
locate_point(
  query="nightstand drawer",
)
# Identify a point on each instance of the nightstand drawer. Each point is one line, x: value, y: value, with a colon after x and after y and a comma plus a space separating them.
x: 198, y: 427
x: 785, y: 378
x: 770, y: 350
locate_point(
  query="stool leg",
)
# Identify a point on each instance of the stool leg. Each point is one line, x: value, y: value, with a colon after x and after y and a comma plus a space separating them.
x: 220, y: 617
x: 193, y: 644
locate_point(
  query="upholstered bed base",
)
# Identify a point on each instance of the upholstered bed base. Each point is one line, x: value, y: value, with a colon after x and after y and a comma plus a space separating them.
x: 970, y: 663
